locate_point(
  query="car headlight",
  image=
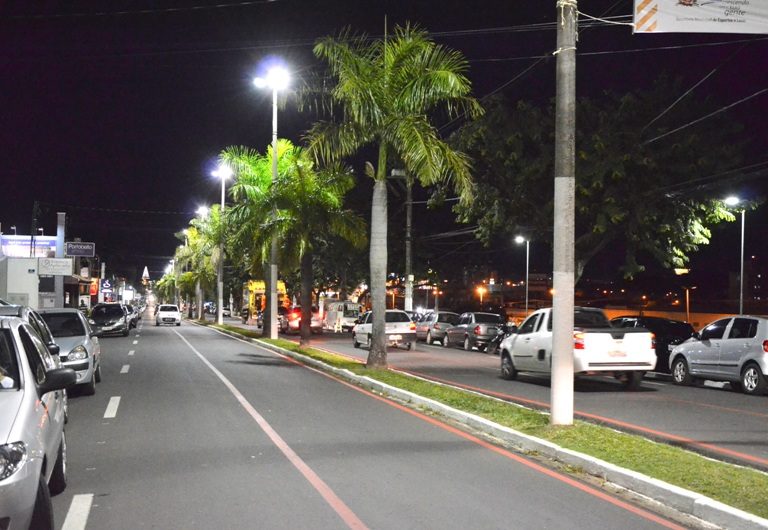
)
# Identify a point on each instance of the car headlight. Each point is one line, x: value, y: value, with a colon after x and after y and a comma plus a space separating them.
x: 78, y: 353
x: 92, y: 322
x: 12, y: 457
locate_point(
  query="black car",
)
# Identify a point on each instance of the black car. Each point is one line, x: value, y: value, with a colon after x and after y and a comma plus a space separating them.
x: 110, y: 318
x: 668, y: 333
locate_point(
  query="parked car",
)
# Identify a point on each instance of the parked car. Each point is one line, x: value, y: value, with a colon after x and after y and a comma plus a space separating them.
x: 292, y: 321
x: 668, y: 333
x: 733, y: 349
x: 133, y: 316
x: 398, y: 326
x: 32, y: 438
x: 33, y: 318
x: 226, y: 312
x: 79, y: 343
x: 168, y: 314
x: 473, y: 330
x: 432, y: 326
x: 110, y: 318
x: 598, y: 348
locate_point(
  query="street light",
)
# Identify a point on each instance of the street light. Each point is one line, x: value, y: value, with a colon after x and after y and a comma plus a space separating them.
x: 13, y: 227
x: 481, y: 291
x: 733, y: 201
x: 277, y: 79
x: 42, y: 232
x: 520, y: 240
x: 223, y: 172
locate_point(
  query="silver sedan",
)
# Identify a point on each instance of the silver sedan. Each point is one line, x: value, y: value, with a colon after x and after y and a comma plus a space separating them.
x: 78, y: 343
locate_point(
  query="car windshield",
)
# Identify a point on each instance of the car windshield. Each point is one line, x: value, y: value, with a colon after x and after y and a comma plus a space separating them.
x: 167, y: 308
x: 64, y: 324
x: 107, y: 311
x: 590, y: 319
x: 352, y: 312
x: 669, y: 328
x: 9, y: 369
x: 485, y: 318
x: 396, y: 316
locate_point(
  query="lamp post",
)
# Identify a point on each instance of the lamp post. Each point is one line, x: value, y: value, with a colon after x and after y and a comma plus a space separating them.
x: 520, y: 240
x: 688, y: 302
x: 202, y: 211
x: 223, y: 172
x: 277, y: 79
x: 13, y: 227
x: 42, y: 232
x: 733, y: 201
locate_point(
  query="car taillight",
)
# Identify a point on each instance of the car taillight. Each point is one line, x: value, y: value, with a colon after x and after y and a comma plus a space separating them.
x: 653, y: 341
x: 477, y: 330
x: 578, y: 340
x: 412, y: 326
x: 765, y: 346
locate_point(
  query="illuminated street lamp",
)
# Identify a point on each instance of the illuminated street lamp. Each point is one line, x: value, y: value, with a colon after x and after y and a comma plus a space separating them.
x: 223, y: 172
x: 520, y: 240
x: 13, y: 227
x: 277, y: 79
x: 42, y: 232
x: 734, y: 201
x: 481, y: 291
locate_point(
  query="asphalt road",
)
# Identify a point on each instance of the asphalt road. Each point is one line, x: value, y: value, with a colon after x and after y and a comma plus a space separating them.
x: 190, y: 428
x: 711, y: 419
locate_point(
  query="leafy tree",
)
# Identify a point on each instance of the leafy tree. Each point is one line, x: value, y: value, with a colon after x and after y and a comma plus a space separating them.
x: 308, y: 207
x: 631, y: 192
x: 166, y: 288
x: 386, y: 90
x: 198, y: 253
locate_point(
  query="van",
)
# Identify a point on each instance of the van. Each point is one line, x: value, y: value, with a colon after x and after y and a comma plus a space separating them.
x: 341, y: 314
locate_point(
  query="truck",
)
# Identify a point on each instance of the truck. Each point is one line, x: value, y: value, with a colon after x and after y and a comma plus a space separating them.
x: 598, y: 348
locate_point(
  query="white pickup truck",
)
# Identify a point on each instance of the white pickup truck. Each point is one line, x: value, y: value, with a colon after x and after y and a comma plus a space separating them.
x: 598, y: 348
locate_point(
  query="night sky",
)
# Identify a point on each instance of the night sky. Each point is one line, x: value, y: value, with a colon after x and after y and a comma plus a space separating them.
x: 115, y: 111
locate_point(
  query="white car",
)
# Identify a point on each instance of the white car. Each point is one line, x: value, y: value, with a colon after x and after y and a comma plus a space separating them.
x: 398, y: 326
x: 168, y: 314
x: 33, y: 448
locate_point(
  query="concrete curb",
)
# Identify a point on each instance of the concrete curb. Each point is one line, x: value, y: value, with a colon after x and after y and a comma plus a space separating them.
x: 683, y: 500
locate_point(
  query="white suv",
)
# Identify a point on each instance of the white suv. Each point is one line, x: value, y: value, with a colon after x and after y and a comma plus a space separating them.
x: 168, y: 314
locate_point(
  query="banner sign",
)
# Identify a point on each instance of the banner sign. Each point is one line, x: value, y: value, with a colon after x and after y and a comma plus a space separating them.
x: 54, y: 266
x: 701, y: 16
x: 79, y: 249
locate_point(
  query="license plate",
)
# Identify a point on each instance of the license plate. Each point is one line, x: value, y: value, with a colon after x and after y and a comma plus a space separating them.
x: 395, y: 337
x: 617, y: 353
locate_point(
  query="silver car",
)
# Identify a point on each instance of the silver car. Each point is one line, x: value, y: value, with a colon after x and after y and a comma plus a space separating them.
x: 79, y: 345
x: 432, y: 327
x: 33, y: 448
x: 733, y: 349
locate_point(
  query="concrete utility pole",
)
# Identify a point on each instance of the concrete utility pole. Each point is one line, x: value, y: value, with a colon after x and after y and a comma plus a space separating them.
x: 272, y: 273
x: 565, y: 186
x: 408, y: 223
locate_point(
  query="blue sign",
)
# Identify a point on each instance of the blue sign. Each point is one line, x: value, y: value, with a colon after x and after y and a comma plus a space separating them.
x: 106, y: 285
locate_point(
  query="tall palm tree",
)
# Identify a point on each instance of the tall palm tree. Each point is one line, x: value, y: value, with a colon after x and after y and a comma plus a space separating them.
x: 196, y: 255
x: 386, y: 90
x: 304, y: 207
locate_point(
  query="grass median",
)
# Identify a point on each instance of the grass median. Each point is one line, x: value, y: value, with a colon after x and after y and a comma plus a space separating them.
x: 736, y: 486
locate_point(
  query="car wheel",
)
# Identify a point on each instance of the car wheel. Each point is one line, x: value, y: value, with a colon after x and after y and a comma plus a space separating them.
x: 632, y: 380
x: 355, y: 344
x: 752, y: 380
x: 157, y: 323
x: 412, y: 346
x: 42, y: 516
x: 89, y: 388
x: 125, y: 332
x: 467, y: 345
x: 178, y: 323
x: 508, y: 370
x: 97, y: 374
x: 680, y: 373
x: 58, y: 481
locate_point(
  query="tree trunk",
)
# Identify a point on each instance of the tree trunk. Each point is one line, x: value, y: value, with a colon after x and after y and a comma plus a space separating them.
x: 377, y: 356
x: 306, y: 299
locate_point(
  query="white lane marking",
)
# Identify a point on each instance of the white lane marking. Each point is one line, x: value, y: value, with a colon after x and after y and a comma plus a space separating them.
x: 646, y: 382
x: 131, y: 352
x: 137, y: 335
x: 125, y: 368
x: 334, y: 501
x: 135, y: 342
x: 79, y: 509
x: 111, y: 411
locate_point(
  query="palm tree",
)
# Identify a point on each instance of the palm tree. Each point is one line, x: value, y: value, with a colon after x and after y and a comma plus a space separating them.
x: 386, y: 89
x: 196, y: 255
x: 166, y: 288
x: 303, y: 208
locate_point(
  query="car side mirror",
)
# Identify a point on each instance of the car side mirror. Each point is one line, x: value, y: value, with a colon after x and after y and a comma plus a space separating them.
x: 58, y: 379
x: 54, y: 349
x: 696, y: 335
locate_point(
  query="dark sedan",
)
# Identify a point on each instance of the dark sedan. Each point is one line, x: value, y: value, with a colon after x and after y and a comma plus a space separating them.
x: 668, y: 333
